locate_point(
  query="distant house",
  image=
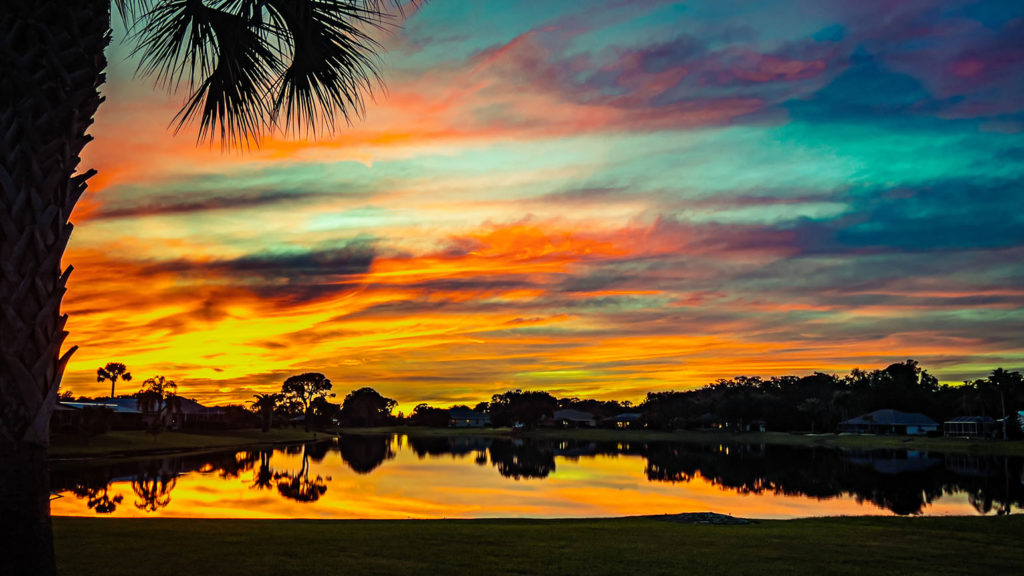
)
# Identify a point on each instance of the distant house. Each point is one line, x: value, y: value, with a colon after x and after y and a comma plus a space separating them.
x: 969, y: 426
x: 569, y: 418
x: 626, y: 420
x: 126, y: 413
x: 890, y: 422
x: 465, y: 418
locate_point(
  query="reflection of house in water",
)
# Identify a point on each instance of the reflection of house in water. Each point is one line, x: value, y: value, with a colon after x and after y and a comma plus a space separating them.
x: 971, y: 465
x: 573, y: 450
x: 886, y: 462
x: 890, y: 422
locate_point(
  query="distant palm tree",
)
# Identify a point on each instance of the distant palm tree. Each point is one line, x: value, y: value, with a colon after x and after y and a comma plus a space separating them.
x: 250, y: 67
x: 112, y: 371
x: 265, y: 404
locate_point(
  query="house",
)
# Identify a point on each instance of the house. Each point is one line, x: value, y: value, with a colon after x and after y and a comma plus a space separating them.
x: 466, y: 418
x: 124, y: 412
x: 890, y: 422
x: 969, y: 426
x: 569, y: 418
x: 625, y: 420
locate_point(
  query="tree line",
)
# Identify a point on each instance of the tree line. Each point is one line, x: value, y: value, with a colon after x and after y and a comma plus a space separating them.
x: 814, y: 403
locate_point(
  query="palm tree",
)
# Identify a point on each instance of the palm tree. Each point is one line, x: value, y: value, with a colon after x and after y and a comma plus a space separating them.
x: 112, y: 371
x: 250, y: 67
x: 159, y: 400
x: 266, y: 404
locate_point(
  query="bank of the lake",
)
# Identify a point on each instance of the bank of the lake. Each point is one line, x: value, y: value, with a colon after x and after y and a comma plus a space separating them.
x: 872, y: 545
x: 136, y: 443
x: 133, y: 443
x: 856, y: 442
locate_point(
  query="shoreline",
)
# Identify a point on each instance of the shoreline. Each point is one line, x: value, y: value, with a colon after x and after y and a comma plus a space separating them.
x: 120, y: 446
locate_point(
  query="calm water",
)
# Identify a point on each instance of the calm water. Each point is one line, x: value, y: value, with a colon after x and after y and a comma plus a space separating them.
x: 402, y: 477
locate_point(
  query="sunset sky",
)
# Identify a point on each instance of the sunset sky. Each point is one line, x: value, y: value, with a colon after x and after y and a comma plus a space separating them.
x: 595, y: 199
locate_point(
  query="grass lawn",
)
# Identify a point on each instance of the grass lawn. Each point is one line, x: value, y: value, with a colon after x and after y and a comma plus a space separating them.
x: 963, y: 445
x: 173, y: 547
x: 130, y: 442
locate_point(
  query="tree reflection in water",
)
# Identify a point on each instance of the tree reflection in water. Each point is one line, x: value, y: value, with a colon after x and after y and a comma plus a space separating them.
x: 904, y: 482
x: 153, y: 486
x: 518, y: 459
x: 94, y: 489
x: 363, y: 454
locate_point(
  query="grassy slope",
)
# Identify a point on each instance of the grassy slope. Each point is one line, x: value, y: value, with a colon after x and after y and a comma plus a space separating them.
x: 173, y: 547
x: 971, y: 446
x: 139, y: 442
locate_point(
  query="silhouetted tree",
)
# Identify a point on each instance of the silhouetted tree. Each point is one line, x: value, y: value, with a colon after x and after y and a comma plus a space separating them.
x: 366, y: 407
x: 158, y: 401
x: 265, y: 404
x: 527, y: 407
x: 112, y: 372
x: 425, y: 415
x: 303, y: 389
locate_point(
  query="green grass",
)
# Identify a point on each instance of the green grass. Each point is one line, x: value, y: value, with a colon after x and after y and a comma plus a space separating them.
x: 137, y: 442
x: 172, y: 547
x: 961, y: 445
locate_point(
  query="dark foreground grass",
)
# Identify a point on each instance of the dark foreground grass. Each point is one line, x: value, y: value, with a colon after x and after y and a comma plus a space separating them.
x: 174, y: 547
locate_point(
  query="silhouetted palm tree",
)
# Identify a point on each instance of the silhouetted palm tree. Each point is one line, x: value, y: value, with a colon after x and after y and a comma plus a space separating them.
x: 250, y: 67
x: 112, y: 371
x: 266, y: 404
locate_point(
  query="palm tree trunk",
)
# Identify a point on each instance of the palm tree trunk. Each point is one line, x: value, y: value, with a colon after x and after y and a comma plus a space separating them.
x: 51, y: 59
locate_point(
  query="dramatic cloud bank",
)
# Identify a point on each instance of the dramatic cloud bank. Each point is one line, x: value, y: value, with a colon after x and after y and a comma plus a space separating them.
x: 596, y: 200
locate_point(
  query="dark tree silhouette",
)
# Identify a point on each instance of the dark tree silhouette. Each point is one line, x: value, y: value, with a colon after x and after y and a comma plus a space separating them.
x: 425, y: 415
x: 249, y: 67
x: 304, y: 389
x: 158, y: 401
x: 526, y: 407
x: 265, y: 404
x: 112, y: 372
x: 366, y: 407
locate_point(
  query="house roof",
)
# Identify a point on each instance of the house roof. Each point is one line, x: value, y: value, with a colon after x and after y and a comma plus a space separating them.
x: 131, y: 406
x: 626, y: 417
x: 573, y: 415
x: 116, y: 405
x: 971, y: 419
x: 891, y: 418
x: 464, y: 414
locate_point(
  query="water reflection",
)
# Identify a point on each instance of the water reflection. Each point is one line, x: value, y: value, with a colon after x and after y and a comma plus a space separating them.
x: 438, y: 476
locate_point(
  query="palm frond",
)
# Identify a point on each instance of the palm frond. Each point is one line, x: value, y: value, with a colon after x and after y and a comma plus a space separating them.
x: 252, y: 66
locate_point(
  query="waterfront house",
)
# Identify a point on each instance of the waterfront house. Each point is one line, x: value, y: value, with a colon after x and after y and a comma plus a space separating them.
x: 466, y: 418
x: 569, y: 418
x: 890, y: 422
x: 969, y: 426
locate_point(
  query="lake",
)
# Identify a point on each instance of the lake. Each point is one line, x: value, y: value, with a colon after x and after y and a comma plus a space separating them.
x: 398, y: 476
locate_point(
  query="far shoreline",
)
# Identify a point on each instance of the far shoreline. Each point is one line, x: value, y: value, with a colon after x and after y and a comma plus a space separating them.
x: 124, y: 445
